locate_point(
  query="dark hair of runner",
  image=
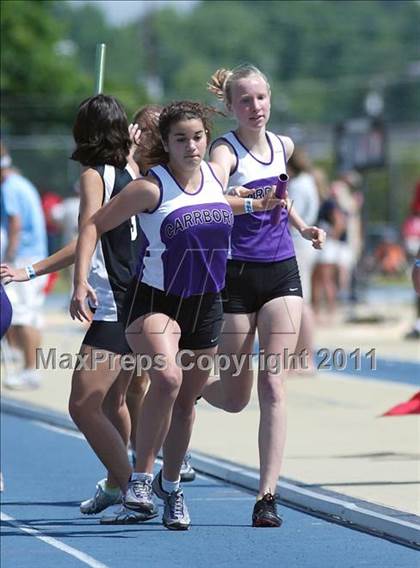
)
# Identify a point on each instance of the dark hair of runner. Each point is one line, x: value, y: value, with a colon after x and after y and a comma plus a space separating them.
x: 101, y: 133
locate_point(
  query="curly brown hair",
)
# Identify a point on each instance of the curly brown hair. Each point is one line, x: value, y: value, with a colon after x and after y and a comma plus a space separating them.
x: 172, y: 113
x: 147, y: 117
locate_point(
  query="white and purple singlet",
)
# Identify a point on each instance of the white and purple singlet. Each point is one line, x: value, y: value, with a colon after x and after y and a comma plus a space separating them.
x: 186, y: 237
x: 254, y: 238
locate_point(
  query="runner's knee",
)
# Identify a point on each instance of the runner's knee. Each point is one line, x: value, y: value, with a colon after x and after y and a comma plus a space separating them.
x: 271, y: 390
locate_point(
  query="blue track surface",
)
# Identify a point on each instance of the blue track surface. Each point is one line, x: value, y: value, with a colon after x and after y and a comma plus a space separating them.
x: 386, y: 370
x: 369, y: 367
x: 48, y: 471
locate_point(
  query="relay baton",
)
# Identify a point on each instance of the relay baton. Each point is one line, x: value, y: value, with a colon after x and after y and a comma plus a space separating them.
x: 281, y: 194
x: 99, y: 68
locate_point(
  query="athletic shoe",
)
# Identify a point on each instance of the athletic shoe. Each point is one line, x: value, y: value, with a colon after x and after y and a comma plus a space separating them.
x: 32, y: 378
x: 175, y: 512
x: 187, y: 472
x: 265, y: 512
x: 123, y: 516
x: 26, y: 380
x: 13, y: 355
x: 139, y: 497
x: 100, y: 501
x: 14, y: 382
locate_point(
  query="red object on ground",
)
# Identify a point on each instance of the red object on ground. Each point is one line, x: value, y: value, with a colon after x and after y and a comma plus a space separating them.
x: 52, y: 279
x: 412, y: 406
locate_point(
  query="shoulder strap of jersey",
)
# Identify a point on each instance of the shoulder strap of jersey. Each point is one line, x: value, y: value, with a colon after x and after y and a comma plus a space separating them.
x: 210, y: 174
x: 159, y: 173
x: 130, y: 170
x: 277, y: 139
x: 229, y: 139
x: 101, y: 171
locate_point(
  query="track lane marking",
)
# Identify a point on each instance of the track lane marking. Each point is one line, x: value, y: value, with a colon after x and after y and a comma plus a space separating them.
x: 82, y: 556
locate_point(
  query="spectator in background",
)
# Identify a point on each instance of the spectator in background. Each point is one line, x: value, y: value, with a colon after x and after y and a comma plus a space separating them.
x: 23, y: 223
x: 389, y: 256
x: 303, y: 193
x: 66, y: 215
x: 411, y: 235
x: 325, y: 275
x: 345, y: 191
x: 415, y: 274
x: 49, y: 200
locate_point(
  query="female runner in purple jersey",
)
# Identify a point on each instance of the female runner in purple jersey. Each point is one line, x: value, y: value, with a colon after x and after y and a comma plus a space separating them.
x: 175, y: 303
x: 263, y: 290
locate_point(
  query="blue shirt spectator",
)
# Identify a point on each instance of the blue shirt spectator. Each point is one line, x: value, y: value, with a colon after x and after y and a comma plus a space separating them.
x: 20, y: 198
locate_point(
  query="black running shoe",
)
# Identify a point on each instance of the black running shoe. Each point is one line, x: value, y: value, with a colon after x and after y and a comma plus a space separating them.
x: 265, y: 512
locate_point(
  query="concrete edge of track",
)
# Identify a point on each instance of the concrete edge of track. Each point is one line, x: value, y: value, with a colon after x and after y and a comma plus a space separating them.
x: 384, y: 522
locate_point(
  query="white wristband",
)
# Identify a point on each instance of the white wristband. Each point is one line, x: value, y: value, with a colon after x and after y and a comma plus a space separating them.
x: 30, y: 272
x: 248, y: 205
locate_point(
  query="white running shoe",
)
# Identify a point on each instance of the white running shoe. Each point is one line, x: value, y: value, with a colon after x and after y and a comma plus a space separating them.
x: 123, y: 516
x: 100, y: 501
x: 175, y: 512
x: 139, y: 497
x: 26, y: 380
x: 14, y: 355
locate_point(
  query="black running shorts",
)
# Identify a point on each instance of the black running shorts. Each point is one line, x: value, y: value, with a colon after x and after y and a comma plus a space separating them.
x: 199, y: 317
x: 250, y: 285
x: 107, y: 335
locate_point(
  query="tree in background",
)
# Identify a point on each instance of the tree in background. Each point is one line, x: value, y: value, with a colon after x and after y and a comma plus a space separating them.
x: 322, y: 56
x: 40, y: 82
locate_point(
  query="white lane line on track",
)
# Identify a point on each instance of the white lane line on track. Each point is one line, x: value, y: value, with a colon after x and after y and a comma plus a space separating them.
x: 85, y: 558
